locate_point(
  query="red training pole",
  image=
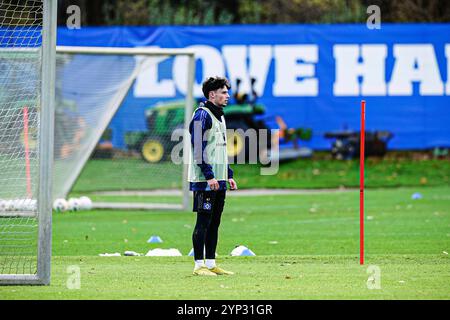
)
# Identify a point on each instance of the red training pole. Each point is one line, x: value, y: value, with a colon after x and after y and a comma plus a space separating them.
x: 27, y: 150
x: 361, y: 184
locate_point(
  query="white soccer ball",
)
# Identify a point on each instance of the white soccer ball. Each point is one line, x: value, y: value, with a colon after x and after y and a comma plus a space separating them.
x: 74, y: 204
x: 15, y: 205
x: 18, y: 204
x: 29, y: 205
x: 2, y: 205
x: 60, y: 205
x: 86, y: 203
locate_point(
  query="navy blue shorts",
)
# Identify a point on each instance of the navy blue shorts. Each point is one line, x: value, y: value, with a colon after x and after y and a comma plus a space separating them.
x: 209, y: 201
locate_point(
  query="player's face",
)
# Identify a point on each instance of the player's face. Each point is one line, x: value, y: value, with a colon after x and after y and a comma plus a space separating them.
x: 220, y: 97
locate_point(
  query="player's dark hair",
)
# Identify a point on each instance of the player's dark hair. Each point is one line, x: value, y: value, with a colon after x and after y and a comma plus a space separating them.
x: 213, y: 84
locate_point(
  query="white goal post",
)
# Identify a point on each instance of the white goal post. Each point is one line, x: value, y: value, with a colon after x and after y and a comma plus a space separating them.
x: 92, y: 85
x: 45, y: 88
x: 27, y: 85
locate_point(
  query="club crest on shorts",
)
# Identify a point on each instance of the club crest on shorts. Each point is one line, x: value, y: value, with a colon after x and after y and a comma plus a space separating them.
x: 207, y: 206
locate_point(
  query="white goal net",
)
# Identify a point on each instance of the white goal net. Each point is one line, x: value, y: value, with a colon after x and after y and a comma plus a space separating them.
x: 110, y: 146
x: 27, y: 31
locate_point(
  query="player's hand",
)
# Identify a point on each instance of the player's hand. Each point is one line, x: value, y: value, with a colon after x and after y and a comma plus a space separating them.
x: 213, y: 184
x: 233, y: 184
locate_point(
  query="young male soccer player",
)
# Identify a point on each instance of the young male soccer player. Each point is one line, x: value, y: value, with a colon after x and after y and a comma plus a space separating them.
x: 208, y: 174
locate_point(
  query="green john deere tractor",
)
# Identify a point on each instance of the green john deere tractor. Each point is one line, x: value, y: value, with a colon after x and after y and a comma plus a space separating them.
x: 155, y: 145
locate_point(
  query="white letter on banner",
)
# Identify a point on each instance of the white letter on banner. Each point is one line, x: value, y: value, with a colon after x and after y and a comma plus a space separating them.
x: 258, y: 67
x: 288, y: 70
x: 212, y: 65
x: 447, y: 54
x: 148, y: 83
x: 349, y: 69
x: 415, y: 63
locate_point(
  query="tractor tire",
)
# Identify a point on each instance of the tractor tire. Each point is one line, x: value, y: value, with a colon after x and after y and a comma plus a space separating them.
x: 153, y: 150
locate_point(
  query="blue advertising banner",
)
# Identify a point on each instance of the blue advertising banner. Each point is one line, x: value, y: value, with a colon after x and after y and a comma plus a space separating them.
x: 311, y: 75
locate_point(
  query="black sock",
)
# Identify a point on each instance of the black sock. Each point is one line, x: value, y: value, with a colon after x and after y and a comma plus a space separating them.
x: 199, y: 234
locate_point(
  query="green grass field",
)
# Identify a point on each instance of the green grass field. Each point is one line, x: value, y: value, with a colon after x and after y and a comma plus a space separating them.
x: 306, y: 245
